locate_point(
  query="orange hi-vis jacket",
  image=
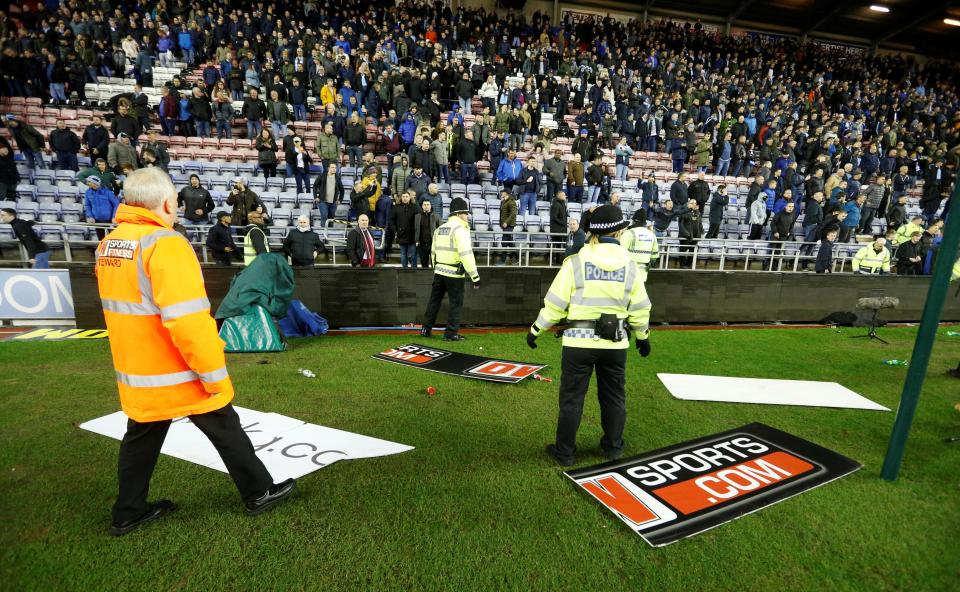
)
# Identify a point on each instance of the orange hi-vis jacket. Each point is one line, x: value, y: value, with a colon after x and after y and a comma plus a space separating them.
x: 166, y: 351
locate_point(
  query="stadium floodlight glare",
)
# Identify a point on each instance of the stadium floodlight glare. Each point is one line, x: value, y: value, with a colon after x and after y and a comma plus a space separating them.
x: 951, y: 22
x: 879, y: 8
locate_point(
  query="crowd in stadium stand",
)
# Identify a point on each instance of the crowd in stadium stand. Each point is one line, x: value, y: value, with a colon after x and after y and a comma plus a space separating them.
x: 830, y: 140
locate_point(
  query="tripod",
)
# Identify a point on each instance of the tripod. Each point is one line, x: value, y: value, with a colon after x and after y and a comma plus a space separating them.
x: 872, y: 334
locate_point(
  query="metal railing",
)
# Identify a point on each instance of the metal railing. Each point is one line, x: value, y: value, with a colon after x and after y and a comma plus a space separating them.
x: 525, y: 249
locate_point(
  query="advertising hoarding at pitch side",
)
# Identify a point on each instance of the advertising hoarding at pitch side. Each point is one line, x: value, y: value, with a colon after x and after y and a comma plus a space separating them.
x: 458, y: 364
x: 682, y: 490
x: 35, y: 294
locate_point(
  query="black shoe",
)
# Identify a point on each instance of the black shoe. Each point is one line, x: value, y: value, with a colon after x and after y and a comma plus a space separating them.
x: 613, y: 454
x: 276, y: 494
x: 454, y: 337
x: 425, y: 332
x: 552, y: 453
x: 157, y: 509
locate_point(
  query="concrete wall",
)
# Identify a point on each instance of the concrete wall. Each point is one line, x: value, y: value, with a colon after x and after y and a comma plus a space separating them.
x: 512, y: 296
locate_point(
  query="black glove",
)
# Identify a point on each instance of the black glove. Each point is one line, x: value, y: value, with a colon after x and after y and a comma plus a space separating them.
x: 476, y: 285
x: 643, y: 346
x: 531, y: 340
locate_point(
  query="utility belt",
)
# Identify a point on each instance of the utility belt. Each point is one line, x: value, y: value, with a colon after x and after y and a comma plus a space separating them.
x: 608, y: 327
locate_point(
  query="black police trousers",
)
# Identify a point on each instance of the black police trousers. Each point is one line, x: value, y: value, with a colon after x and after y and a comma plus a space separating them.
x: 576, y: 366
x: 445, y: 285
x: 140, y: 449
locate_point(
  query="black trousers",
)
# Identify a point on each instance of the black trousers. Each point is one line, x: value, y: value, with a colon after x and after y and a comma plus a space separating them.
x: 577, y: 364
x: 140, y: 449
x: 845, y: 232
x: 713, y: 231
x: 423, y: 254
x: 445, y: 285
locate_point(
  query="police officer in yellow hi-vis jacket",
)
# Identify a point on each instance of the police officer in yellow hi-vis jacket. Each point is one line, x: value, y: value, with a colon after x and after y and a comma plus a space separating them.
x: 642, y: 244
x: 167, y: 354
x: 599, y: 293
x: 452, y: 255
x: 873, y: 259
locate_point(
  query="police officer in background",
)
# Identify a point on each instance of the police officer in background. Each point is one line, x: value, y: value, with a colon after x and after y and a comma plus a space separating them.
x: 452, y: 255
x: 642, y: 244
x: 601, y: 295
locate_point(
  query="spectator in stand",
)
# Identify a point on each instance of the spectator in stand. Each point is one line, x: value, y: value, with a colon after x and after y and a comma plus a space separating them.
x: 200, y: 111
x: 328, y: 146
x: 469, y: 154
x: 403, y: 223
x: 852, y: 221
x: 278, y: 113
x: 125, y: 123
x: 328, y: 193
x: 528, y: 186
x: 302, y: 244
x: 824, y: 263
x: 360, y: 244
x: 255, y: 111
x: 575, y: 179
x: 38, y: 253
x: 95, y: 138
x: 121, y: 153
x: 622, y: 152
x: 243, y: 201
x: 757, y: 219
x: 223, y: 115
x: 873, y: 194
x: 65, y: 144
x: 596, y: 177
x: 703, y: 153
x: 301, y: 165
x: 9, y: 175
x: 266, y: 148
x: 439, y: 154
x: 354, y: 137
x: 508, y: 221
x: 897, y: 215
x: 576, y: 238
x: 649, y: 194
x: 555, y: 171
x: 425, y: 224
x: 662, y: 217
x: 909, y: 256
x: 30, y: 142
x: 366, y: 193
x: 298, y: 98
x: 99, y: 204
x: 158, y: 148
x: 168, y: 110
x: 699, y: 191
x: 508, y: 170
x: 220, y: 240
x: 718, y: 207
x: 679, y: 192
x: 690, y: 229
x: 196, y: 202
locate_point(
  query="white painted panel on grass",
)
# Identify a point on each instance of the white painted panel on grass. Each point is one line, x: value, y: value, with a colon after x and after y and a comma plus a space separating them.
x: 288, y: 447
x: 767, y: 391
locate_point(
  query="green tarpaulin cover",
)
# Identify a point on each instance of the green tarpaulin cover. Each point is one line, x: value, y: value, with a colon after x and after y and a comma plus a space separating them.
x: 254, y: 331
x: 267, y: 282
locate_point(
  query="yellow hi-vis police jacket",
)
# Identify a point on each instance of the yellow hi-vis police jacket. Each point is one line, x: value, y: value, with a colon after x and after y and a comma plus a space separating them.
x: 249, y: 251
x: 904, y: 232
x: 600, y: 279
x: 452, y: 251
x: 868, y: 261
x: 642, y: 244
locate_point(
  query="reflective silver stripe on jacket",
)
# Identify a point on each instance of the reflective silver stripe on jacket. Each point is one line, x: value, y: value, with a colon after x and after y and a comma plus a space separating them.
x: 556, y: 301
x: 168, y: 313
x: 577, y: 267
x: 645, y: 303
x: 127, y: 308
x: 628, y: 282
x: 146, y: 286
x: 171, y: 379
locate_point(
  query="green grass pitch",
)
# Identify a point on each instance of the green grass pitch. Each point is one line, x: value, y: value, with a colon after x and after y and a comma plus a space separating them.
x: 478, y: 506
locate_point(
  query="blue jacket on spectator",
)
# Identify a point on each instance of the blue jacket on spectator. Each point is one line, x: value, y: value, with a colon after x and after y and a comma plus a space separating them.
x: 853, y: 214
x: 455, y: 113
x: 100, y: 204
x: 508, y: 170
x: 771, y: 197
x: 408, y: 129
x: 185, y: 40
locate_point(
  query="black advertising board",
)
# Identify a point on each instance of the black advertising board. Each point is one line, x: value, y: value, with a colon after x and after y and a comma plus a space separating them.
x: 682, y: 490
x: 458, y: 364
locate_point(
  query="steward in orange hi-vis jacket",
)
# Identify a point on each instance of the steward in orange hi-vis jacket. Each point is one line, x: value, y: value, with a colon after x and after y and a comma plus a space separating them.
x: 167, y: 355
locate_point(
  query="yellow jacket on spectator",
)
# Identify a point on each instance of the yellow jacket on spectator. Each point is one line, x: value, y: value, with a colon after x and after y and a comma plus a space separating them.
x: 868, y: 261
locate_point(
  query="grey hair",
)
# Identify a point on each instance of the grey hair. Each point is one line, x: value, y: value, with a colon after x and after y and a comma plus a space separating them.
x: 148, y: 188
